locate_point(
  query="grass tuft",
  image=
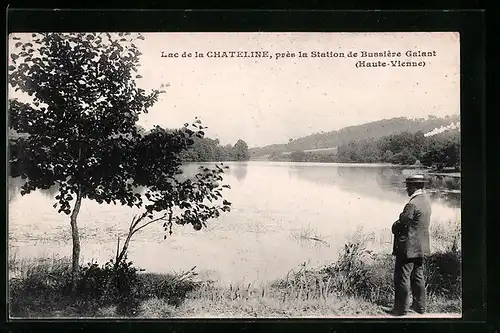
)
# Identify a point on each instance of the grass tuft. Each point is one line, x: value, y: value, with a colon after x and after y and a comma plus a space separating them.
x: 355, y: 284
x: 308, y: 236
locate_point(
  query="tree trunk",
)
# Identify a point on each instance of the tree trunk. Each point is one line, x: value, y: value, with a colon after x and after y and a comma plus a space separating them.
x: 119, y: 257
x: 76, y: 241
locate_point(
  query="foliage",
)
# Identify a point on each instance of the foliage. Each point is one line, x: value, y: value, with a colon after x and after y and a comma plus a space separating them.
x: 443, y: 152
x: 173, y: 288
x: 81, y: 122
x: 443, y: 273
x: 158, y: 171
x: 81, y: 134
x: 126, y: 287
x: 210, y: 150
x: 352, y: 277
x: 365, y: 276
x: 241, y: 151
x: 405, y: 157
x: 169, y: 198
x: 43, y: 286
x: 371, y: 131
x: 404, y: 148
x: 360, y: 273
x: 110, y: 284
x: 297, y: 156
x: 364, y: 151
x: 38, y: 275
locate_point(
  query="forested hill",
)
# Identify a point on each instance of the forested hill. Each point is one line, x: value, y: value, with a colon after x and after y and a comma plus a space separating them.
x: 372, y: 130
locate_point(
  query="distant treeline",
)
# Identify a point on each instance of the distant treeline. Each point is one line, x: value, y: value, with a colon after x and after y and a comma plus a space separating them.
x: 440, y: 151
x: 373, y: 130
x: 210, y: 150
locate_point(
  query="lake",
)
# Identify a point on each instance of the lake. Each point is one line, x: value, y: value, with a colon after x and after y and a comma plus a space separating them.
x: 276, y: 206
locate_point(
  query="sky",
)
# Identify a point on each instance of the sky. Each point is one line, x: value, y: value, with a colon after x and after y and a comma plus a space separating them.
x: 267, y: 100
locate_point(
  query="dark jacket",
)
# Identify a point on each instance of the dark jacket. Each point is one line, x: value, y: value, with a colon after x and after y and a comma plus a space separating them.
x: 411, y: 231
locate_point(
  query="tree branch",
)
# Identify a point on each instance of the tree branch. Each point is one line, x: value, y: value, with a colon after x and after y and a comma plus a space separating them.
x: 148, y: 223
x: 132, y: 223
x: 135, y: 221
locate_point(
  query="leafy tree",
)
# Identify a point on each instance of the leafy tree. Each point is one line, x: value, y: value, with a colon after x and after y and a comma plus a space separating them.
x: 418, y: 144
x: 298, y: 156
x: 405, y: 157
x: 442, y: 152
x: 453, y: 154
x: 190, y: 200
x: 372, y: 131
x: 387, y: 156
x: 80, y: 132
x: 141, y: 130
x: 205, y: 149
x: 369, y: 152
x: 189, y: 155
x: 81, y: 121
x: 241, y: 151
x: 227, y: 153
x: 208, y: 150
x: 347, y: 152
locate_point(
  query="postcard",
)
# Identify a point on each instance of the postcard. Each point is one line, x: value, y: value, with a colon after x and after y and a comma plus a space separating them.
x: 234, y: 175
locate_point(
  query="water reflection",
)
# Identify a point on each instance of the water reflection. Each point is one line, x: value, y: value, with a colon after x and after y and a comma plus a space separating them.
x: 14, y: 187
x: 272, y: 204
x: 239, y: 170
x: 51, y: 192
x: 385, y: 182
x: 368, y: 181
x: 374, y: 181
x: 15, y: 184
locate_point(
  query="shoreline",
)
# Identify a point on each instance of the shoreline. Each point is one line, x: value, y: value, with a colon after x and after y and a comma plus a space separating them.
x: 303, y: 293
x: 427, y: 170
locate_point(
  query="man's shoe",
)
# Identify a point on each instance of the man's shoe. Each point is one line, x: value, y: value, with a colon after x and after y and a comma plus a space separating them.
x: 417, y: 309
x: 394, y: 312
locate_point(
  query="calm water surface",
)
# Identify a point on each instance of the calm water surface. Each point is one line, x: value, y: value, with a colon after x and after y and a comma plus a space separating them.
x: 259, y: 240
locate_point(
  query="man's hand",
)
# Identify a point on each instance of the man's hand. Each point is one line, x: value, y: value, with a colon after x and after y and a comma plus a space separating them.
x: 396, y: 226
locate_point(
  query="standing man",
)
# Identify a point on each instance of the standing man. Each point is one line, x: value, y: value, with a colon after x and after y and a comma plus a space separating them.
x: 411, y: 244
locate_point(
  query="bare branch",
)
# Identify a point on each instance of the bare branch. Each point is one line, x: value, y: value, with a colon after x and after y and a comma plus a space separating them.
x: 148, y: 223
x: 118, y: 249
x: 132, y: 223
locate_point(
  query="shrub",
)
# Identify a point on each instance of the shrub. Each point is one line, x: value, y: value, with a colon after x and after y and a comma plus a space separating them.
x: 42, y: 287
x: 381, y: 274
x: 351, y: 275
x: 156, y: 308
x: 173, y: 288
x: 372, y: 279
x: 36, y: 286
x: 360, y: 273
x: 41, y: 274
x: 107, y: 285
x: 443, y: 274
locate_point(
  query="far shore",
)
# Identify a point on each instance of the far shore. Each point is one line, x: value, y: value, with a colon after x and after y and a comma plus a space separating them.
x: 427, y: 170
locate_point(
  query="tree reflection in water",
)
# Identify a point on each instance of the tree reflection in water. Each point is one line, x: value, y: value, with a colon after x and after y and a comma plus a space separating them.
x: 376, y: 181
x: 239, y: 170
x: 15, y: 185
x: 373, y: 181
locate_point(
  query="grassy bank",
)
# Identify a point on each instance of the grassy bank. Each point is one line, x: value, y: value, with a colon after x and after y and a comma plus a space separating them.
x: 358, y: 283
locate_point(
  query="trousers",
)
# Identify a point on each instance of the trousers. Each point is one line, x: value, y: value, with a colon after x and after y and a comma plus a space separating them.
x: 409, y: 276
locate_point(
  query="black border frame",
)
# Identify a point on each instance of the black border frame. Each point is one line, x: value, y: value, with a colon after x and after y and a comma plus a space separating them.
x: 471, y: 26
